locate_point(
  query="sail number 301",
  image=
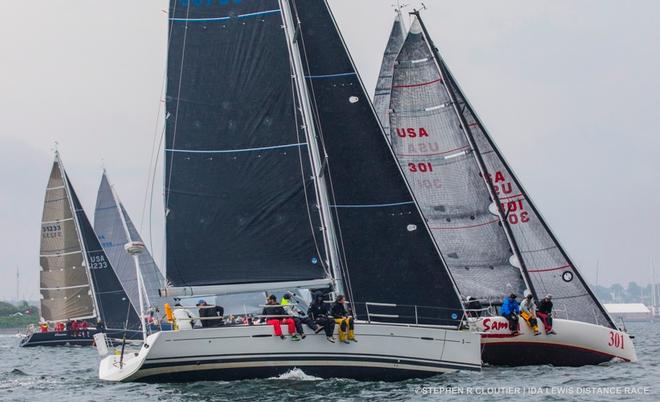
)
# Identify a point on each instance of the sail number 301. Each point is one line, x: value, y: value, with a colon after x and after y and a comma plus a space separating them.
x: 616, y: 340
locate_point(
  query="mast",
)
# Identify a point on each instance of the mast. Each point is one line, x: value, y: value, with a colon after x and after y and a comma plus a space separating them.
x: 83, y: 246
x: 329, y: 236
x: 477, y: 154
x: 138, y: 271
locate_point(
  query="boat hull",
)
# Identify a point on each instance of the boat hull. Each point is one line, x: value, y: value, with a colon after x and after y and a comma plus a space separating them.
x: 574, y: 344
x: 384, y: 352
x: 57, y: 339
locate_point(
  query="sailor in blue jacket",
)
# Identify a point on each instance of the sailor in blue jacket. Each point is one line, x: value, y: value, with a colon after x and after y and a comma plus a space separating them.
x: 510, y: 310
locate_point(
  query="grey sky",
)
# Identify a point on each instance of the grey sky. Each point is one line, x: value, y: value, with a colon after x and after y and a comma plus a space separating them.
x: 569, y: 90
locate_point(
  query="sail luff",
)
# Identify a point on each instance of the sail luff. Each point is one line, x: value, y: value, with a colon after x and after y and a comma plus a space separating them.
x: 320, y: 186
x: 67, y: 187
x: 486, y: 175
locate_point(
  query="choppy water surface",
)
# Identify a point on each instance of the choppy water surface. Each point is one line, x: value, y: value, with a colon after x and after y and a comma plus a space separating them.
x: 70, y: 374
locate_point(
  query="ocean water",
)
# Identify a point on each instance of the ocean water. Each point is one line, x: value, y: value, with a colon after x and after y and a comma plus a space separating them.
x: 70, y: 374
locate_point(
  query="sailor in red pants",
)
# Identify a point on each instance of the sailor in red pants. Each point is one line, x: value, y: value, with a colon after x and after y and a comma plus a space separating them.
x: 275, y: 316
x: 544, y: 312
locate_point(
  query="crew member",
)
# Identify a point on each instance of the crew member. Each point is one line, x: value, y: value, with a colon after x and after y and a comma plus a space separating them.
x: 290, y: 307
x: 318, y: 314
x: 275, y: 315
x: 84, y: 329
x: 528, y: 312
x: 74, y: 328
x: 344, y: 319
x: 210, y: 316
x: 544, y: 313
x: 473, y: 307
x: 510, y: 310
x: 43, y: 327
x: 183, y: 319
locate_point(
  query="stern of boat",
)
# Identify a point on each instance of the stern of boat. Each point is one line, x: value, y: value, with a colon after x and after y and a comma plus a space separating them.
x: 574, y: 343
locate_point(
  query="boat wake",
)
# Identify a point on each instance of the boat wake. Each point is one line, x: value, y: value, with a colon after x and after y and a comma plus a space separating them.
x: 296, y: 374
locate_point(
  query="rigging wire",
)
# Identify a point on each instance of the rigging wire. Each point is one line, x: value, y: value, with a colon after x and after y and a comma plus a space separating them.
x: 344, y: 263
x: 302, y: 173
x: 156, y: 142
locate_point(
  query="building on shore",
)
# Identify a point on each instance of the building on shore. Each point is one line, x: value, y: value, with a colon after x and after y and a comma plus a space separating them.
x: 629, y: 311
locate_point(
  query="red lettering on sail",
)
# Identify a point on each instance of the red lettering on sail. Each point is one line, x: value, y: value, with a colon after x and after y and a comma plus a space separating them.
x: 421, y: 167
x: 412, y: 132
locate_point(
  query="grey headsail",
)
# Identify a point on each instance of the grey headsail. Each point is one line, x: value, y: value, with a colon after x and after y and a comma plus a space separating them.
x: 435, y: 154
x: 114, y: 307
x: 64, y: 284
x: 238, y: 188
x: 384, y: 84
x: 388, y: 254
x: 543, y: 262
x: 114, y: 229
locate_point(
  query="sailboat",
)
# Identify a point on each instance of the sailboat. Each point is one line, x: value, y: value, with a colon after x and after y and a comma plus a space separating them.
x: 493, y: 239
x: 278, y: 176
x: 77, y: 281
x: 115, y: 230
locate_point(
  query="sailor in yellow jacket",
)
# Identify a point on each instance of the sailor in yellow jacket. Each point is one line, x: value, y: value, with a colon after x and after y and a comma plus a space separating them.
x: 528, y: 312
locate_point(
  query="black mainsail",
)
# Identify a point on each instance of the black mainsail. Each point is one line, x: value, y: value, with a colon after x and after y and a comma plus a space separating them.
x: 239, y: 197
x: 243, y: 204
x: 115, y: 229
x: 491, y: 234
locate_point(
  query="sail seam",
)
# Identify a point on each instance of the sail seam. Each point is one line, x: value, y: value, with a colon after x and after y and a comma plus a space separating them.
x: 54, y: 188
x: 373, y: 205
x: 66, y: 287
x: 464, y: 227
x: 421, y: 84
x: 217, y: 19
x: 60, y: 254
x: 56, y: 221
x: 437, y: 153
x: 315, y: 77
x: 224, y: 151
x: 549, y: 269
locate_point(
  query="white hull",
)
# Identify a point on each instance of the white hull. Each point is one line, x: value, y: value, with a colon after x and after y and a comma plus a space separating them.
x: 384, y: 352
x: 575, y: 344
